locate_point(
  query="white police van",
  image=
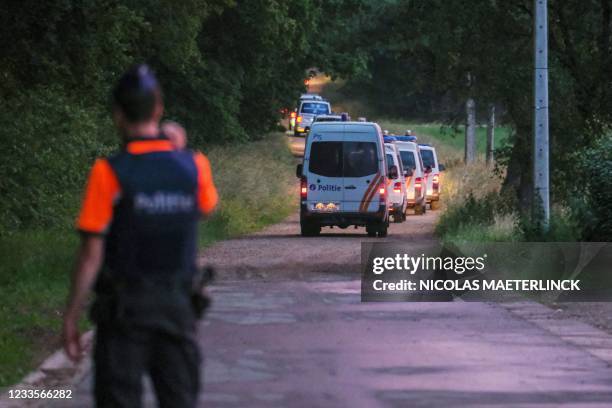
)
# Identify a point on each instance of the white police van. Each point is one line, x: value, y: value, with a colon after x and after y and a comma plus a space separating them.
x: 434, y: 169
x: 416, y: 177
x: 307, y: 111
x: 344, y: 178
x: 396, y: 188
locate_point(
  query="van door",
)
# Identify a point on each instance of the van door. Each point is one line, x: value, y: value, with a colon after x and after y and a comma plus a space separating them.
x: 363, y: 174
x: 323, y: 169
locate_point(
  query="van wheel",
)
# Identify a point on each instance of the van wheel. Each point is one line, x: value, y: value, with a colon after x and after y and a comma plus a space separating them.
x: 435, y: 205
x: 383, y: 230
x: 309, y: 229
x: 371, y: 230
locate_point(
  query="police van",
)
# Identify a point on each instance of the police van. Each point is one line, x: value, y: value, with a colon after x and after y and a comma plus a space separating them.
x: 344, y: 178
x: 396, y: 188
x: 434, y: 169
x: 308, y: 110
x: 416, y: 177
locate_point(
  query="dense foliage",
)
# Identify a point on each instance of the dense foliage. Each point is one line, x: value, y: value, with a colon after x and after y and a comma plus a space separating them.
x: 227, y: 68
x: 425, y: 58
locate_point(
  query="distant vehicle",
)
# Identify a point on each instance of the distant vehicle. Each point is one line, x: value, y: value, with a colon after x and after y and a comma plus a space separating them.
x: 343, y: 117
x: 311, y: 96
x: 307, y: 111
x: 430, y: 162
x: 328, y: 118
x: 344, y: 178
x: 396, y: 188
x: 292, y: 117
x: 416, y: 178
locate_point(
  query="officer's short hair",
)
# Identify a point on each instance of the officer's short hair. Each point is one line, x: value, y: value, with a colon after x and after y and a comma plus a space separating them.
x: 136, y: 93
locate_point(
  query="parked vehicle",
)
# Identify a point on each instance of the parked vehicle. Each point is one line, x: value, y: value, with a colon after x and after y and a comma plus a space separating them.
x: 414, y: 172
x: 396, y: 188
x: 344, y: 178
x: 434, y: 169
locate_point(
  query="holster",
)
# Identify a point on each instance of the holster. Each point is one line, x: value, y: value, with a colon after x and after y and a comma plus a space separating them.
x: 200, y: 300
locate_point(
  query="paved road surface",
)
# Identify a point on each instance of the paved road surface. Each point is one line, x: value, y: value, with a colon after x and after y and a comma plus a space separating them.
x: 288, y: 330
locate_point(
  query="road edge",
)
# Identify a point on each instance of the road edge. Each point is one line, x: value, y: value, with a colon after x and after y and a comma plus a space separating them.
x: 56, y: 372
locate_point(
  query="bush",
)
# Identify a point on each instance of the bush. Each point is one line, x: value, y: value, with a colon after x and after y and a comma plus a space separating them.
x: 49, y: 141
x: 596, y: 213
x: 488, y: 218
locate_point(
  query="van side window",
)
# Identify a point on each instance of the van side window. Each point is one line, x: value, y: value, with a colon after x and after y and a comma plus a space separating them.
x: 360, y: 159
x: 326, y: 159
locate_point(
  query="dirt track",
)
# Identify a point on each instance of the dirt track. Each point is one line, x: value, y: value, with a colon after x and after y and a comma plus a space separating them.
x: 280, y: 253
x: 287, y: 329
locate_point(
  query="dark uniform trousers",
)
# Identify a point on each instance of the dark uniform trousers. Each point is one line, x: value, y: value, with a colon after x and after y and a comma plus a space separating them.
x: 146, y: 334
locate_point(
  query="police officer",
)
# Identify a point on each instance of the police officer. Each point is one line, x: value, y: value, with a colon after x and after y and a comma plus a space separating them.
x: 138, y: 225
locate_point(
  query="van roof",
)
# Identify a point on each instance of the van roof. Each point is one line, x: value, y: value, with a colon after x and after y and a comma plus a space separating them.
x: 323, y: 126
x: 410, y: 145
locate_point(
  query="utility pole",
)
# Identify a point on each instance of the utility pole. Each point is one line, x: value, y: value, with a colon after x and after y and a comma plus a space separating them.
x: 470, y: 131
x: 490, y: 134
x: 541, y: 139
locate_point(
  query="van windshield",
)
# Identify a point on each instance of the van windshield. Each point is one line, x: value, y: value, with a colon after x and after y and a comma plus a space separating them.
x: 343, y: 159
x: 428, y: 158
x: 408, y: 159
x: 315, y: 108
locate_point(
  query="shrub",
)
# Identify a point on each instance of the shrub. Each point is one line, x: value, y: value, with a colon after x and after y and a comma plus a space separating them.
x: 596, y: 214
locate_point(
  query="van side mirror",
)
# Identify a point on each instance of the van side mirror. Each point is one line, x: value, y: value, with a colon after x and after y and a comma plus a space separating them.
x: 441, y: 167
x: 393, y: 174
x: 299, y: 170
x: 408, y: 173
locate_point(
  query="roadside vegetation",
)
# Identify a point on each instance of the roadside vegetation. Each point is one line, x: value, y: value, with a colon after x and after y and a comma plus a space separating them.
x: 256, y: 182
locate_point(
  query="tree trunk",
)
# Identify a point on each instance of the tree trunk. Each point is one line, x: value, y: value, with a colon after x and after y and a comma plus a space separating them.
x: 490, y: 134
x: 470, y: 131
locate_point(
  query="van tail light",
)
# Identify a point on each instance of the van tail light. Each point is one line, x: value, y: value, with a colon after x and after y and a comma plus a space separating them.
x: 298, y: 119
x: 418, y: 182
x: 382, y: 191
x: 397, y: 187
x: 303, y: 188
x: 293, y: 115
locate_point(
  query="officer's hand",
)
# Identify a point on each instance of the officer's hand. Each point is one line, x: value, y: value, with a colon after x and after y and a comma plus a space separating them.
x: 72, y: 338
x: 176, y: 133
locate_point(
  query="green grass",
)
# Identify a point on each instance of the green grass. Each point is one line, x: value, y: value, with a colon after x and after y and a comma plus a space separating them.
x: 34, y: 276
x: 449, y: 141
x: 254, y: 180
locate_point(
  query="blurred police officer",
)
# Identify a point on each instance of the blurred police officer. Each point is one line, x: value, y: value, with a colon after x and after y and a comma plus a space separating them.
x: 138, y: 227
